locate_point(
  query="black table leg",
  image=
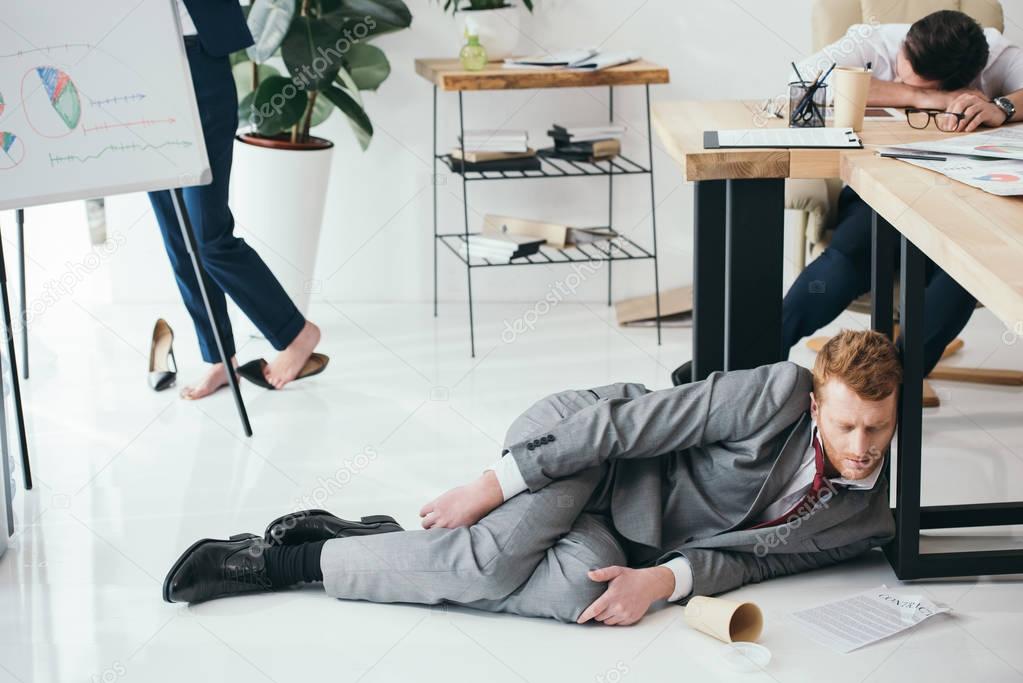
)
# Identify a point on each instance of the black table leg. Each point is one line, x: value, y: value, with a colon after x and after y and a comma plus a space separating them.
x: 904, y: 551
x: 754, y: 250
x: 177, y: 197
x: 708, y: 278
x: 882, y: 275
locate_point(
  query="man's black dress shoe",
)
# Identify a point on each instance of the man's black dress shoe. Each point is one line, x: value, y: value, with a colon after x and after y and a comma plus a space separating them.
x: 683, y: 374
x: 215, y: 569
x: 319, y: 525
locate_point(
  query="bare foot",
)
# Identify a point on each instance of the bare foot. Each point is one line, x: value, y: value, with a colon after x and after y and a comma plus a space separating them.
x: 214, y: 379
x: 463, y: 505
x: 289, y: 362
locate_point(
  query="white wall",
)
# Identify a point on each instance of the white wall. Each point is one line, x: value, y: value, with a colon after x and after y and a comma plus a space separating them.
x: 376, y: 242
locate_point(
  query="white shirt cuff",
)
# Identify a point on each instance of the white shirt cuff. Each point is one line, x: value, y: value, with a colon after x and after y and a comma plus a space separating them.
x: 683, y: 572
x: 509, y: 477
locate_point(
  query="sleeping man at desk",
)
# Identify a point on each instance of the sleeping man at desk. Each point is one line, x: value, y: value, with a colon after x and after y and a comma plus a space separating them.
x: 964, y: 77
x: 609, y: 499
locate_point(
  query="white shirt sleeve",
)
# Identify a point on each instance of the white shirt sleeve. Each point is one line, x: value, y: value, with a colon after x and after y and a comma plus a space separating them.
x: 1009, y: 69
x: 683, y: 572
x: 509, y: 477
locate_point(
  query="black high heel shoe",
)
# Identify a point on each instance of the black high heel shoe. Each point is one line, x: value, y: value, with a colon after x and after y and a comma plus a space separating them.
x: 161, y: 355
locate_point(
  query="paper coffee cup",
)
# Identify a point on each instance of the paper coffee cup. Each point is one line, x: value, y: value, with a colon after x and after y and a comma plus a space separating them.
x: 851, y: 85
x: 726, y: 620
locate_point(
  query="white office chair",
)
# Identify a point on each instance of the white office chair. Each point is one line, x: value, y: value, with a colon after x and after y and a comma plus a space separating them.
x: 811, y: 204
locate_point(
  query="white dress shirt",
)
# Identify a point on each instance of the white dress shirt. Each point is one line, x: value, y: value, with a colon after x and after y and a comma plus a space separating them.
x: 879, y: 45
x: 509, y: 477
x: 187, y: 26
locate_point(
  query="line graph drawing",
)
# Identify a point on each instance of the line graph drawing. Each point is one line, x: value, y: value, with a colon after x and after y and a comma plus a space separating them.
x: 58, y: 159
x: 54, y: 110
x: 12, y: 150
x: 118, y: 99
x: 126, y: 124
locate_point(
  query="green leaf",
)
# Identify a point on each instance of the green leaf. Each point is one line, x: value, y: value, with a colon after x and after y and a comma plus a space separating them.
x: 277, y: 106
x: 365, y: 18
x: 245, y: 109
x: 269, y: 21
x: 243, y: 76
x: 353, y: 110
x: 310, y: 52
x: 367, y: 65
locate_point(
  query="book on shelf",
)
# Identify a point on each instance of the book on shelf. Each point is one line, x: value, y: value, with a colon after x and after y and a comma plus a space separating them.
x: 583, y: 133
x: 495, y: 140
x: 569, y: 155
x: 601, y: 149
x: 479, y: 157
x: 524, y: 163
x: 554, y: 234
x: 500, y: 246
x: 554, y: 60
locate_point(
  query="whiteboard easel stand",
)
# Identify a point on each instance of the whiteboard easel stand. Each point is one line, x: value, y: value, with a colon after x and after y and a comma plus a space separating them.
x: 19, y: 413
x: 22, y: 310
x: 177, y: 196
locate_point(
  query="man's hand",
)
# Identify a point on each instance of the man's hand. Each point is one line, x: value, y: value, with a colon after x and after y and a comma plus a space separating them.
x: 463, y: 505
x: 978, y: 110
x: 629, y: 594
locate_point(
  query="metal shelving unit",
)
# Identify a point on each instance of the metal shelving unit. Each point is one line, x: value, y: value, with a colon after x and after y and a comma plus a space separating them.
x: 449, y: 76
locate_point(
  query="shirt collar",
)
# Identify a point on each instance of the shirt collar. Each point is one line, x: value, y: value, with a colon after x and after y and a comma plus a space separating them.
x: 855, y: 484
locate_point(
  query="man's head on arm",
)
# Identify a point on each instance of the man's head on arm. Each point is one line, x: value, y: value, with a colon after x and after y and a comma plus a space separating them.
x: 855, y: 390
x: 946, y: 50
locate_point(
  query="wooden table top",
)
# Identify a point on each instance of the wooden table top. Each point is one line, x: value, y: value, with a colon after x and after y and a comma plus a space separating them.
x: 976, y: 237
x: 448, y: 74
x: 680, y: 126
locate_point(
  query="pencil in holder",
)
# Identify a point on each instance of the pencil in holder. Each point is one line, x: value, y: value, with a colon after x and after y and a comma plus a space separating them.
x: 807, y: 104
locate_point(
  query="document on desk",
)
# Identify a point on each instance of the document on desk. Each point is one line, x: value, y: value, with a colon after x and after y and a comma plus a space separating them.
x: 997, y: 143
x: 849, y: 624
x: 1002, y: 177
x: 808, y: 138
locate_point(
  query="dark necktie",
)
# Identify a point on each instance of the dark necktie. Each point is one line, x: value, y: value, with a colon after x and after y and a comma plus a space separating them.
x: 810, y: 499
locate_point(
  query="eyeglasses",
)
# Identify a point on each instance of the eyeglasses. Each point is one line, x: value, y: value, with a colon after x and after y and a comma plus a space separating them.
x: 946, y: 121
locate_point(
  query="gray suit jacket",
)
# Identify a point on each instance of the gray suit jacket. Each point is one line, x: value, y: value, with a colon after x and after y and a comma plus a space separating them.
x: 693, y: 466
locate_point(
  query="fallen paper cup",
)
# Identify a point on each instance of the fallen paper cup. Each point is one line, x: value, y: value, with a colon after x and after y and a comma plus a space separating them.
x: 726, y: 620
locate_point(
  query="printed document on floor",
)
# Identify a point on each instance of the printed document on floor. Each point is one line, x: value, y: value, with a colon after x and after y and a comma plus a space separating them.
x: 850, y: 623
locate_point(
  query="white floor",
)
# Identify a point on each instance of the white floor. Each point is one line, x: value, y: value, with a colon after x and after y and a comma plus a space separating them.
x: 126, y: 478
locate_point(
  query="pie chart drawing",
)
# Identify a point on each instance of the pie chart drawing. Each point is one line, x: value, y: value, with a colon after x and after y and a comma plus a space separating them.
x: 52, y: 103
x: 1, y: 104
x: 999, y: 178
x: 1000, y: 149
x: 12, y: 151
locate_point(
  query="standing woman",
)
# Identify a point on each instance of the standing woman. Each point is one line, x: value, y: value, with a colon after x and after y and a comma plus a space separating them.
x: 212, y: 30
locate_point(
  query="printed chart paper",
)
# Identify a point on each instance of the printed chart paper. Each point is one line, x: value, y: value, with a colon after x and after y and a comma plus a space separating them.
x: 1002, y: 177
x: 848, y: 624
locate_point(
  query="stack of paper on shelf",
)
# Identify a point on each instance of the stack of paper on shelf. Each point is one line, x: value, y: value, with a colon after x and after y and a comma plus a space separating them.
x: 582, y: 59
x: 585, y: 142
x: 498, y: 247
x: 494, y: 150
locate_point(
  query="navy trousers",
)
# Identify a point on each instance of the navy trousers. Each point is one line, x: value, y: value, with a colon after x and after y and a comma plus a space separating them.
x: 232, y: 265
x: 842, y: 273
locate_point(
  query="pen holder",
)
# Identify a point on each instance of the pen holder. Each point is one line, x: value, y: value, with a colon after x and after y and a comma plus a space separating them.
x: 807, y: 105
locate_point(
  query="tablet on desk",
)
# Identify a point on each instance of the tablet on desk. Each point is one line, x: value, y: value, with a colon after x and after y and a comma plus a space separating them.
x: 785, y: 138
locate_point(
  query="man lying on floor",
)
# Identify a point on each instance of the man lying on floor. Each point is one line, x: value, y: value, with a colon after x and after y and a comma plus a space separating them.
x: 610, y: 499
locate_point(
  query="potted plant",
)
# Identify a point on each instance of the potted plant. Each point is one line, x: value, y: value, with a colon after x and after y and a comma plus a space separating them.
x: 281, y: 171
x: 497, y: 21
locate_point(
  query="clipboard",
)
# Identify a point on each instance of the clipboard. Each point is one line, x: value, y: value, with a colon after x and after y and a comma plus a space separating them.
x: 783, y: 138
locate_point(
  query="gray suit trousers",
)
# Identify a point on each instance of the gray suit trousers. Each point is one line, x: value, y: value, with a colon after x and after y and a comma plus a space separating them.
x: 529, y: 556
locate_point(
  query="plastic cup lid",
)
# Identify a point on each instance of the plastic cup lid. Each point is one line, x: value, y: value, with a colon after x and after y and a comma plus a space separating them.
x: 746, y: 657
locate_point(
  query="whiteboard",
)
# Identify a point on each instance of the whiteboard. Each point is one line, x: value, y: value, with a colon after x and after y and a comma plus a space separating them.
x: 96, y: 99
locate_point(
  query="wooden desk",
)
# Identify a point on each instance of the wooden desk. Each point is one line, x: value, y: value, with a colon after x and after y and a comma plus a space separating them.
x: 738, y: 224
x: 976, y: 238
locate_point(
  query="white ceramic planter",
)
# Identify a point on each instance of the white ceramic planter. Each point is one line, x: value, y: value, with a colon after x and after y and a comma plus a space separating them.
x: 498, y: 30
x: 277, y: 197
